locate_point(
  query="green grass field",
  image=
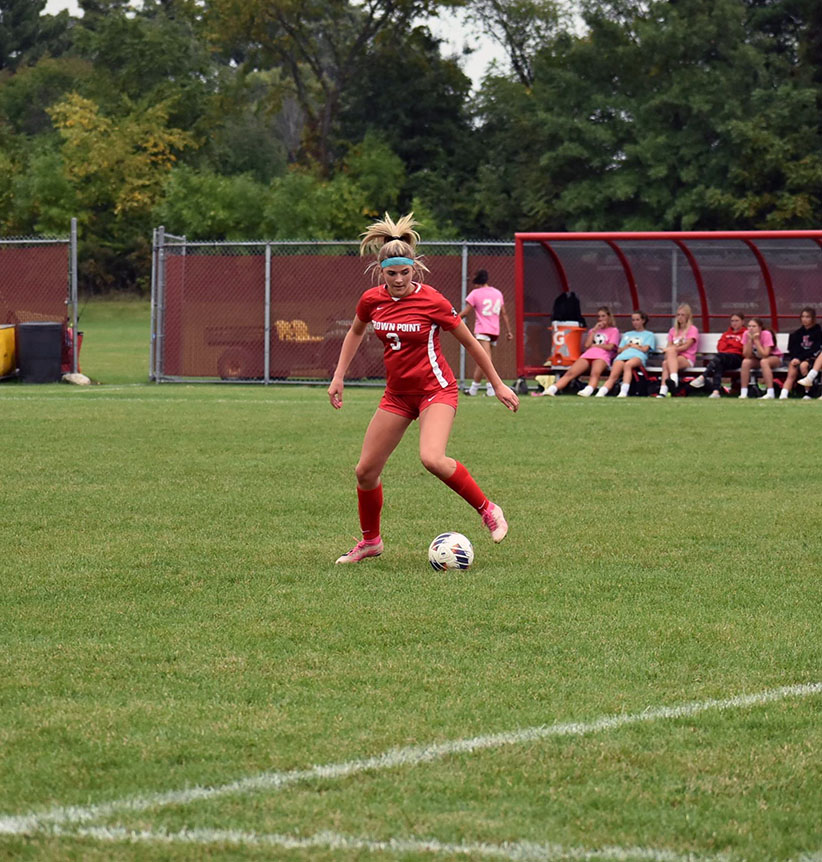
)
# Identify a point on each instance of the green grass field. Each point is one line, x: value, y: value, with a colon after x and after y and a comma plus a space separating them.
x: 186, y: 675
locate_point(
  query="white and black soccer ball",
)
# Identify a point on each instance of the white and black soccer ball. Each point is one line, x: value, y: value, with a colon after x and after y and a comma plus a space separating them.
x: 599, y: 338
x: 634, y: 341
x: 450, y: 551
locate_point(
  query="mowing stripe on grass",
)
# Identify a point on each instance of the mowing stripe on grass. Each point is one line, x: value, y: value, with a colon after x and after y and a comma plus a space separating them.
x: 520, y: 851
x: 391, y: 759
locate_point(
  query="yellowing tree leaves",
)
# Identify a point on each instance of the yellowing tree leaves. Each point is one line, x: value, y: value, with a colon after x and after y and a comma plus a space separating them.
x: 119, y: 163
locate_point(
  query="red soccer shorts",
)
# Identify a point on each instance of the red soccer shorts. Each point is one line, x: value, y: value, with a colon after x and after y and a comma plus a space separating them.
x: 412, y: 405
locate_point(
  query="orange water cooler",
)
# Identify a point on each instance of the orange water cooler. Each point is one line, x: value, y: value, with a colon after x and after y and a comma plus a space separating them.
x: 566, y: 342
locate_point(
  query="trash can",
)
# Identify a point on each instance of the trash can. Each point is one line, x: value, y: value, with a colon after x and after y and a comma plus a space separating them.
x: 39, y: 351
x: 566, y: 342
x: 8, y: 361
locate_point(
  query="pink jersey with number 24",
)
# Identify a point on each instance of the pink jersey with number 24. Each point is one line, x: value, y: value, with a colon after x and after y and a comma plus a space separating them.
x: 487, y: 303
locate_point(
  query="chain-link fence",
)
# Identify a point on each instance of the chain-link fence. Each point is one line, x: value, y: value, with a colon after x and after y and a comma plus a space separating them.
x: 278, y: 311
x: 38, y: 280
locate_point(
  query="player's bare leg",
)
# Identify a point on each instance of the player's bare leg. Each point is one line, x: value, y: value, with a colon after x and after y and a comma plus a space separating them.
x: 382, y: 436
x: 435, y: 429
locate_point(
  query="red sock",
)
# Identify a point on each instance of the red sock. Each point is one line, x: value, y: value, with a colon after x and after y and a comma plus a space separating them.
x: 369, y: 504
x: 463, y: 483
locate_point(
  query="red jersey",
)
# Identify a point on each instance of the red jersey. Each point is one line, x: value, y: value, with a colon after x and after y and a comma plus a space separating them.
x: 730, y: 341
x: 409, y: 327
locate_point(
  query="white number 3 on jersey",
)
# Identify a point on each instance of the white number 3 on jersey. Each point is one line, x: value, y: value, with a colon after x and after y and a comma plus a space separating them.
x: 394, y: 340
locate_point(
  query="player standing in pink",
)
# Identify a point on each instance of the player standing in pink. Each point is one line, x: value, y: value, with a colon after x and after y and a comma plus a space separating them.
x: 488, y: 304
x: 407, y: 317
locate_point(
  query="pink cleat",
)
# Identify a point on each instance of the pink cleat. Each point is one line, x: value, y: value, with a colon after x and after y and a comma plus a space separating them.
x: 493, y: 518
x: 362, y: 550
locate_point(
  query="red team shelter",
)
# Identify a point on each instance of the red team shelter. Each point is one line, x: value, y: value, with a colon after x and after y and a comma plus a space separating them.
x: 767, y: 274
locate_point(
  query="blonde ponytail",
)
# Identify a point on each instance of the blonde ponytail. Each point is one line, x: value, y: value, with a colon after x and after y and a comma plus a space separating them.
x: 387, y: 238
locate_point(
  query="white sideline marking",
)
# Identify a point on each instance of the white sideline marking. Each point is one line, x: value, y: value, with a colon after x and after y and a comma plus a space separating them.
x: 409, y: 756
x: 520, y: 851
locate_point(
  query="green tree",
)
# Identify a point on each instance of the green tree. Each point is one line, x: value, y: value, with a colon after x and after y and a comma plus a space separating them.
x: 319, y: 44
x: 419, y: 102
x: 663, y: 115
x: 522, y: 27
x: 117, y: 168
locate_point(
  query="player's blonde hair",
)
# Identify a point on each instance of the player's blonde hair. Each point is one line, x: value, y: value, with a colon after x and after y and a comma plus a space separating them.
x: 687, y: 309
x: 386, y: 238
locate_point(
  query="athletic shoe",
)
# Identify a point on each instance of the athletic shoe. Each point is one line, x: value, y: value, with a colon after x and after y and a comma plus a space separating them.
x: 743, y: 396
x: 783, y: 395
x: 489, y: 393
x: 469, y: 392
x: 807, y: 398
x: 602, y: 392
x: 660, y: 395
x: 587, y: 392
x: 362, y: 550
x: 807, y: 382
x: 768, y: 396
x: 551, y: 390
x: 715, y: 394
x: 672, y: 387
x: 698, y: 382
x: 622, y: 394
x: 493, y: 518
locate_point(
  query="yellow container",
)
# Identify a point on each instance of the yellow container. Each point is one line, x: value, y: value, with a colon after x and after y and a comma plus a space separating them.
x: 8, y: 362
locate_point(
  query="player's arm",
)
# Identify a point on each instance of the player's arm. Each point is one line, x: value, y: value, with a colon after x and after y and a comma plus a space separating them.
x: 505, y: 394
x: 351, y: 342
x: 466, y: 311
x: 504, y: 314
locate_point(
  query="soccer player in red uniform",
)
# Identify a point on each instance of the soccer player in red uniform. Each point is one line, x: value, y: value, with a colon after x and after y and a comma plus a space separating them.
x: 407, y: 317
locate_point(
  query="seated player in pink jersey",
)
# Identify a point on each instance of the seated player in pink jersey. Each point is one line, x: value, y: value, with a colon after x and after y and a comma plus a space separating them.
x: 680, y: 351
x: 407, y: 317
x: 600, y: 347
x: 759, y: 350
x: 488, y: 305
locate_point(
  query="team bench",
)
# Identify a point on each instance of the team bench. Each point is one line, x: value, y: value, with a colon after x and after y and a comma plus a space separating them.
x: 706, y: 348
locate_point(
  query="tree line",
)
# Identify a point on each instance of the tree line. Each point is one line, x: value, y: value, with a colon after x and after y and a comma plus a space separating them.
x: 295, y: 119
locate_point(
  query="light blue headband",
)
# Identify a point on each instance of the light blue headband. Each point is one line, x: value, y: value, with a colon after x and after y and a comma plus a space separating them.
x: 396, y: 261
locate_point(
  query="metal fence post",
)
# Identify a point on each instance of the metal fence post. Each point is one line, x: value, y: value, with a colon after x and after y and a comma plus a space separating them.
x: 160, y: 317
x: 73, y: 296
x: 152, y: 373
x: 463, y: 294
x: 267, y: 321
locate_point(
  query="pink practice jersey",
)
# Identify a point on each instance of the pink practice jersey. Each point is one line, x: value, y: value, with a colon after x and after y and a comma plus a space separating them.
x: 487, y: 303
x: 409, y: 327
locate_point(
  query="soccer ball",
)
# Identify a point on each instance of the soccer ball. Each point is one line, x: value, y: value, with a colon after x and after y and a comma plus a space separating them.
x: 634, y: 342
x: 599, y: 338
x: 450, y: 551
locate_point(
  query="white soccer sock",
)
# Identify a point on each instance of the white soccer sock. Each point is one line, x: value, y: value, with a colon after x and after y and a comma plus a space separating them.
x: 813, y: 374
x: 675, y: 378
x: 784, y: 394
x: 473, y: 388
x: 770, y: 392
x: 623, y: 388
x: 663, y: 390
x: 743, y: 392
